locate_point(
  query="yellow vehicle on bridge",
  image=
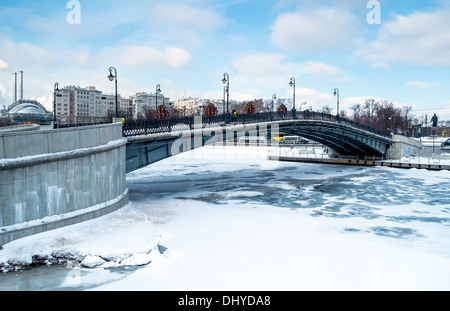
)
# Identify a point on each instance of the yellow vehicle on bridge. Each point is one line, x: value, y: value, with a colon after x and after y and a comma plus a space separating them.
x: 277, y: 136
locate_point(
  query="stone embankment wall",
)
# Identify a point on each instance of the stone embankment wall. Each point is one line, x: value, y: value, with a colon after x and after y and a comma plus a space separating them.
x: 50, y: 179
x: 403, y: 147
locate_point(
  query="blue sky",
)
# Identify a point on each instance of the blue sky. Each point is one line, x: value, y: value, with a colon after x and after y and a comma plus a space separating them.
x: 187, y: 46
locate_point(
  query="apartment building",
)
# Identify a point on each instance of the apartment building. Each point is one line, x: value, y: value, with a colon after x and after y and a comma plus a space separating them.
x: 85, y: 105
x: 195, y: 106
x: 142, y: 100
x: 89, y: 105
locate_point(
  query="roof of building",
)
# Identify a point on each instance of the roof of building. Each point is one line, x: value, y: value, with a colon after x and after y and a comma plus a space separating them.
x: 27, y: 107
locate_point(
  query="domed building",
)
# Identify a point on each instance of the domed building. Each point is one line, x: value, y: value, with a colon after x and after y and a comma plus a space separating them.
x: 29, y: 111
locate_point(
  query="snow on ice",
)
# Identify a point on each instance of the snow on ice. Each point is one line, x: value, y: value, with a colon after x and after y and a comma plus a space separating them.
x: 228, y: 219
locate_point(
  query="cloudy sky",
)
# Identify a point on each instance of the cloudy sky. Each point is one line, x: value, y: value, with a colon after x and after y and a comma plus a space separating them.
x: 186, y: 47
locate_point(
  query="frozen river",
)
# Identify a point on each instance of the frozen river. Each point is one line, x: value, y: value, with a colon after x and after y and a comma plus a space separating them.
x: 228, y: 219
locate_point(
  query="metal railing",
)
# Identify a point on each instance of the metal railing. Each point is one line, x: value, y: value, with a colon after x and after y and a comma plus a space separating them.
x: 145, y: 127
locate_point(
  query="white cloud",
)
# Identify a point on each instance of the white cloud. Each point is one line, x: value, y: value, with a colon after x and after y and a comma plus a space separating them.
x: 36, y: 62
x: 260, y: 64
x: 79, y: 58
x: 45, y: 100
x: 4, y: 65
x: 259, y: 75
x: 177, y: 22
x: 421, y: 38
x: 313, y: 99
x: 273, y: 64
x: 178, y: 58
x: 3, y: 95
x: 323, y: 71
x: 420, y: 84
x: 187, y: 16
x: 315, y: 29
x: 18, y: 56
x: 136, y: 56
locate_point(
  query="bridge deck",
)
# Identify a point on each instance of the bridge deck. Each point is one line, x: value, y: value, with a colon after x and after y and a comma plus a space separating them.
x: 153, y: 140
x: 145, y: 127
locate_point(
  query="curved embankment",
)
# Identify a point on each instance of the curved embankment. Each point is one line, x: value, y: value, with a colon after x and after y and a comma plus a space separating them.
x: 51, y: 179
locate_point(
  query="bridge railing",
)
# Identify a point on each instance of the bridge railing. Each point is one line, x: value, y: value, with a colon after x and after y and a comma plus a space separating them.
x: 145, y: 127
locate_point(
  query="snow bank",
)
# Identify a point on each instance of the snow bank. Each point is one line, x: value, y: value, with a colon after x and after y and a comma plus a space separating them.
x: 111, y: 240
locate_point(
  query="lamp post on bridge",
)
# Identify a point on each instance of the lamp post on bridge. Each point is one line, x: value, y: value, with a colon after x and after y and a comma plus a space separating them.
x: 292, y: 84
x: 336, y: 93
x: 274, y: 98
x: 55, y: 89
x: 226, y: 80
x: 111, y: 78
x: 158, y: 91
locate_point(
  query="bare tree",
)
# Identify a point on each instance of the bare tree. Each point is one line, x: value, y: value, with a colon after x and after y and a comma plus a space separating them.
x: 383, y: 115
x: 6, y: 122
x: 148, y: 113
x: 327, y: 109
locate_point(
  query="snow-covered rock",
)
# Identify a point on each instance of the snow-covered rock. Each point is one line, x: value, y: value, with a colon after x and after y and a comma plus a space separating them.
x: 91, y: 261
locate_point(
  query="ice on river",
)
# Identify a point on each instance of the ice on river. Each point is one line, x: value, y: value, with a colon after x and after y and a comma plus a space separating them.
x: 232, y: 220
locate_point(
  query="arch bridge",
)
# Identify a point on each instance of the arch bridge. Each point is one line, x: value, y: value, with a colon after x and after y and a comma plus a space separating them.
x: 153, y: 140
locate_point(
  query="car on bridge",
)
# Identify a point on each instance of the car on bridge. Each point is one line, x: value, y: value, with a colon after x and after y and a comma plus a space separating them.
x: 276, y: 136
x: 446, y: 145
x: 294, y: 140
x: 252, y: 140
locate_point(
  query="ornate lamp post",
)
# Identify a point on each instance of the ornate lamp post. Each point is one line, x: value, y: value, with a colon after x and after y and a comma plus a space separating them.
x: 111, y: 78
x: 226, y: 80
x: 55, y: 89
x: 274, y: 98
x: 336, y: 93
x: 224, y: 100
x: 292, y: 84
x: 158, y: 91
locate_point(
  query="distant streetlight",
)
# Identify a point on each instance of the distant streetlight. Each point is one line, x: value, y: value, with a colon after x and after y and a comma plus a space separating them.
x: 226, y: 80
x: 336, y: 93
x: 292, y: 84
x: 111, y: 78
x: 223, y: 102
x: 274, y: 98
x: 56, y: 89
x: 302, y: 104
x: 158, y: 91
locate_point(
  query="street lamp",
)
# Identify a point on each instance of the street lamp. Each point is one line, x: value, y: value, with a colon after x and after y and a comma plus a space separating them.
x: 292, y: 83
x: 336, y: 93
x: 224, y: 101
x: 111, y: 78
x: 55, y: 89
x: 274, y: 98
x: 226, y: 80
x: 158, y: 91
